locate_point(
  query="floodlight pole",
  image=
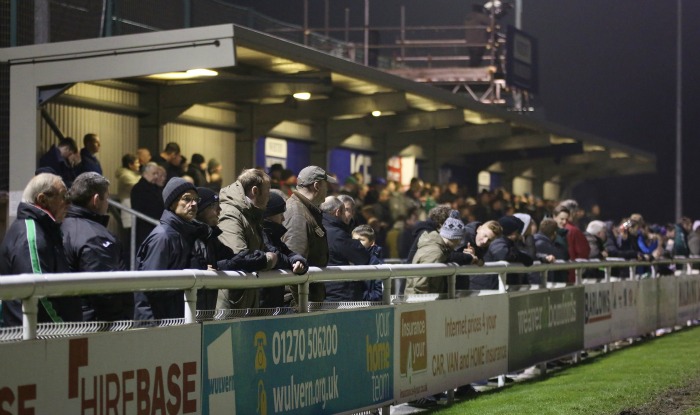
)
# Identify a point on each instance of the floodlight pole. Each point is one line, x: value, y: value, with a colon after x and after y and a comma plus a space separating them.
x: 679, y: 114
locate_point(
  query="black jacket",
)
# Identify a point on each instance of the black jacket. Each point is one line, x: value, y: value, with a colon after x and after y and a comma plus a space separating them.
x: 210, y: 251
x: 271, y: 297
x: 168, y: 247
x: 545, y: 246
x: 343, y: 250
x: 501, y: 249
x: 15, y: 259
x: 89, y: 246
x: 419, y: 229
x: 147, y: 198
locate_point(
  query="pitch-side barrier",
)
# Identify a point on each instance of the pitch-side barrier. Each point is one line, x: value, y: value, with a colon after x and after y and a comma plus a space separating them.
x: 319, y: 358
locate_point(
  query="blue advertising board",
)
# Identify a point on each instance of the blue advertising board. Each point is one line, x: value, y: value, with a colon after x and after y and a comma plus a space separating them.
x: 291, y: 154
x: 298, y: 364
x: 344, y: 162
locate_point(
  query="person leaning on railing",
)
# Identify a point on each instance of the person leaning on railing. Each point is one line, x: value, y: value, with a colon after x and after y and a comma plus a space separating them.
x: 33, y: 245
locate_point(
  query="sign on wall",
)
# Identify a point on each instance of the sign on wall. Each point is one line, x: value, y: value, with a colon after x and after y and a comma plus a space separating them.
x: 126, y: 373
x: 597, y: 314
x: 291, y: 154
x: 449, y: 342
x: 330, y: 362
x: 544, y: 326
x: 344, y: 162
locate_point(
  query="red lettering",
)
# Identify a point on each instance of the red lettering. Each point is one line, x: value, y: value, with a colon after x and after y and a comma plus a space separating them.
x: 112, y: 382
x: 189, y: 371
x: 128, y: 396
x: 158, y: 392
x: 143, y: 384
x: 6, y: 397
x: 174, y: 388
x: 25, y: 393
x: 85, y: 403
x: 77, y: 358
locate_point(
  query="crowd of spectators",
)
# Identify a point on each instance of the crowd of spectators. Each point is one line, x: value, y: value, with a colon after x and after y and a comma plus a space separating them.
x: 277, y: 219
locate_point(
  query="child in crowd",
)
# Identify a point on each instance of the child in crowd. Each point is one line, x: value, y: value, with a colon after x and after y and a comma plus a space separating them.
x: 365, y: 234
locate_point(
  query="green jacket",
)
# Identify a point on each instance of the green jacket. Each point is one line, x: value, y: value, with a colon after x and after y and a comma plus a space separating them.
x: 432, y: 249
x: 241, y: 226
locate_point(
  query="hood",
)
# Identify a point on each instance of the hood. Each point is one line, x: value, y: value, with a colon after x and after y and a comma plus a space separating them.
x: 233, y: 198
x: 431, y: 238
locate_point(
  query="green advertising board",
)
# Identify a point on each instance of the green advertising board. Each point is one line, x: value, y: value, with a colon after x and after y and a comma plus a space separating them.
x: 544, y: 325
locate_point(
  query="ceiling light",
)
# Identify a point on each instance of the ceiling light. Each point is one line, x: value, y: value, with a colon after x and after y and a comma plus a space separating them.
x: 376, y: 113
x: 189, y: 74
x: 304, y: 96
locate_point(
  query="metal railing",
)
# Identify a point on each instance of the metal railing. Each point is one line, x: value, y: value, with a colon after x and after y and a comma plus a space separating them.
x: 31, y: 287
x: 132, y: 235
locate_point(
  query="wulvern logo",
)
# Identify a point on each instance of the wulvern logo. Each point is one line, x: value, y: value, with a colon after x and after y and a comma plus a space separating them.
x: 222, y: 393
x: 260, y: 342
x: 413, y: 344
x: 160, y: 389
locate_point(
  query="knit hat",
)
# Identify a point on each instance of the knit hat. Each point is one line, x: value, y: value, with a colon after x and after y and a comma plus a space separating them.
x: 453, y: 228
x: 511, y: 224
x: 308, y: 175
x: 174, y: 189
x: 275, y: 205
x: 208, y: 197
x: 197, y: 159
x: 526, y: 221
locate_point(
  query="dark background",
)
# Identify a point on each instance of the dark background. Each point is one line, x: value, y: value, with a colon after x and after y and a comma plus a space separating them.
x: 606, y: 67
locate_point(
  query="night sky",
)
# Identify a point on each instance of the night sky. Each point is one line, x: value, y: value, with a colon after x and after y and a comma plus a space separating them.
x: 606, y: 68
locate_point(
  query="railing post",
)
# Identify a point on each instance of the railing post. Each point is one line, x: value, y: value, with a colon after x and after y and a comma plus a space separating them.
x: 579, y: 279
x: 190, y: 306
x: 304, y: 297
x: 502, y: 281
x: 132, y: 245
x: 30, y: 312
x: 452, y: 284
x: 386, y: 291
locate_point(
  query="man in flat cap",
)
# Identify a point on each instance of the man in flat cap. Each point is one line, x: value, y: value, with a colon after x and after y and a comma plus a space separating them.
x: 303, y: 220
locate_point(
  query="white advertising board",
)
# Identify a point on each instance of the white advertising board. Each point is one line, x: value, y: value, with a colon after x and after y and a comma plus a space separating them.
x: 668, y: 301
x: 624, y: 306
x: 647, y: 306
x: 445, y: 344
x: 688, y: 299
x: 597, y: 314
x: 145, y: 371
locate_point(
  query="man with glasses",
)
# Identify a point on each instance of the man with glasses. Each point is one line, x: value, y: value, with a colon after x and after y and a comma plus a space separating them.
x: 33, y: 244
x: 169, y: 247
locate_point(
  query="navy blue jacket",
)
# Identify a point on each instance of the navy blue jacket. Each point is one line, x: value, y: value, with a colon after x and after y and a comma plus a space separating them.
x: 89, y: 246
x: 168, y: 247
x: 89, y: 162
x: 147, y: 198
x: 15, y: 259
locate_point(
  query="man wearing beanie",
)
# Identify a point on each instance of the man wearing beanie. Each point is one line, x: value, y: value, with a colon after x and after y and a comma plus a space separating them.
x: 272, y: 297
x: 304, y: 222
x: 169, y: 247
x: 242, y: 205
x: 503, y: 249
x: 436, y: 247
